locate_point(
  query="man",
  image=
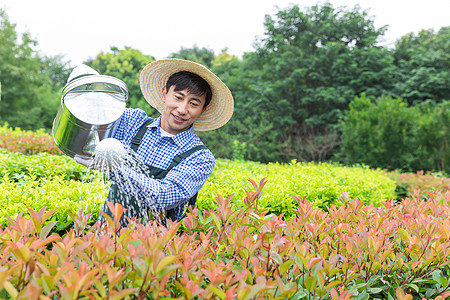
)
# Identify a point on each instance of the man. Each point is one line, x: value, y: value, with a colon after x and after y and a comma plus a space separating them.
x: 176, y: 163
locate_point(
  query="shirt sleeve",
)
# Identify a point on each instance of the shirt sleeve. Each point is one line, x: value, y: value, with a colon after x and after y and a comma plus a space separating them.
x: 128, y: 124
x: 178, y: 186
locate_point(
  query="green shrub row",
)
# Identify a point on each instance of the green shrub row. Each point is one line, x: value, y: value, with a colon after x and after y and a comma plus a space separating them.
x: 40, y: 165
x: 43, y: 179
x: 323, y: 183
x: 67, y: 196
x: 26, y: 141
x: 47, y: 180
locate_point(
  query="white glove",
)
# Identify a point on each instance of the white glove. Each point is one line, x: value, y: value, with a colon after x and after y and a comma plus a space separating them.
x: 87, y: 162
x: 109, y: 154
x: 92, y: 163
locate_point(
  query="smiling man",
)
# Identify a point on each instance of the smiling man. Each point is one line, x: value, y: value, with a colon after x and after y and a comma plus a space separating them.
x: 174, y: 162
x: 185, y: 96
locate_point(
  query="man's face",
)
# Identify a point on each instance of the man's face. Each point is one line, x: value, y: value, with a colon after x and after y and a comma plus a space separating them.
x: 181, y: 110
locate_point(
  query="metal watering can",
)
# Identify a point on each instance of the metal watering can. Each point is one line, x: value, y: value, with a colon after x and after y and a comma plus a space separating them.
x: 90, y: 109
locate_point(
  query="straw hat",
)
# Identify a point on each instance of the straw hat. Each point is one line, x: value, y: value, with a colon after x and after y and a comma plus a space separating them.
x: 155, y: 75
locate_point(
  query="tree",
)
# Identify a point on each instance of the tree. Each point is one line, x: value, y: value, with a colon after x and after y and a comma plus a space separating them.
x: 57, y: 69
x: 125, y: 65
x: 390, y: 134
x: 28, y: 98
x: 423, y: 63
x: 243, y: 128
x: 306, y: 69
x: 202, y: 56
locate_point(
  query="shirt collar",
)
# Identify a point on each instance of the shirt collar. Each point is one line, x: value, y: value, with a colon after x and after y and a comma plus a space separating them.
x: 181, y: 139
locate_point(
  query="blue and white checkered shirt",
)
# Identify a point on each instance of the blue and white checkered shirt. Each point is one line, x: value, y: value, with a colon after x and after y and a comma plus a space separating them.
x: 180, y: 183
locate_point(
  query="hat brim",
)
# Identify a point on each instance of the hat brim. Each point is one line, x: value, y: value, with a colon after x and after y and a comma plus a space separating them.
x: 154, y: 77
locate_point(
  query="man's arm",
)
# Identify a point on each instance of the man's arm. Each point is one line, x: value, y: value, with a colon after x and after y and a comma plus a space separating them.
x: 179, y: 185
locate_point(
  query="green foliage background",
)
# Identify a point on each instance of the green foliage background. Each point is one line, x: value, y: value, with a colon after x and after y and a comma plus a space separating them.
x: 56, y: 181
x: 126, y: 65
x: 293, y: 93
x: 318, y: 87
x: 390, y: 134
x: 322, y: 183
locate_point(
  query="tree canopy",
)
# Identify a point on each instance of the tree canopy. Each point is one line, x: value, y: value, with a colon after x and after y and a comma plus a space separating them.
x: 291, y: 93
x: 423, y: 66
x: 306, y: 69
x: 28, y: 92
x: 196, y: 54
x: 126, y: 65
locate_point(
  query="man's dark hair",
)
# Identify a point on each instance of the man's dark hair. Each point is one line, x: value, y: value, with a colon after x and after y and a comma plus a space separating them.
x: 192, y: 82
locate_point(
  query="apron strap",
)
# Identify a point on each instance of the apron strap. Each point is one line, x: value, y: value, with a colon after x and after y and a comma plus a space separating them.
x: 176, y: 160
x: 136, y: 141
x: 180, y: 157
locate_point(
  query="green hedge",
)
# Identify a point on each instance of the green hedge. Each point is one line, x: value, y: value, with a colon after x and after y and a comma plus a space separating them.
x: 323, y: 183
x: 40, y: 165
x: 58, y: 182
x: 390, y: 134
x: 53, y: 192
x: 46, y: 180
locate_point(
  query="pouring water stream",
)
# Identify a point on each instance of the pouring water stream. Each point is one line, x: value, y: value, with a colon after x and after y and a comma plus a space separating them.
x: 110, y: 154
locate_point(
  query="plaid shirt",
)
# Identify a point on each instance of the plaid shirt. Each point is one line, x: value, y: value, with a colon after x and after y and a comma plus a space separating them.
x: 180, y: 183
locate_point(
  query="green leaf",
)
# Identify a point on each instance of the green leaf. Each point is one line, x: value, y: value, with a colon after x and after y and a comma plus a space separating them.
x: 99, y: 285
x: 310, y: 283
x: 363, y: 296
x: 140, y: 265
x: 443, y: 281
x: 136, y: 243
x: 286, y: 266
x: 436, y: 276
x: 413, y: 286
x: 374, y: 290
x: 217, y: 291
x: 122, y: 294
x: 430, y: 293
x: 391, y: 294
x: 10, y: 289
x: 46, y: 229
x: 216, y: 221
x: 333, y: 284
x: 165, y: 262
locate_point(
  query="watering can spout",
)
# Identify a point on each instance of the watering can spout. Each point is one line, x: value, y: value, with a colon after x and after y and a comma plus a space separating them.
x: 91, y: 141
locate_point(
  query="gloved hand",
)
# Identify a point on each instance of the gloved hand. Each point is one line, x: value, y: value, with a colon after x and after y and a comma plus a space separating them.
x: 93, y: 163
x: 109, y: 154
x: 87, y: 162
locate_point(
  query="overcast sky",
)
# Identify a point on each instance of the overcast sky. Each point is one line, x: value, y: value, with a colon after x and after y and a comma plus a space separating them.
x: 83, y: 28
